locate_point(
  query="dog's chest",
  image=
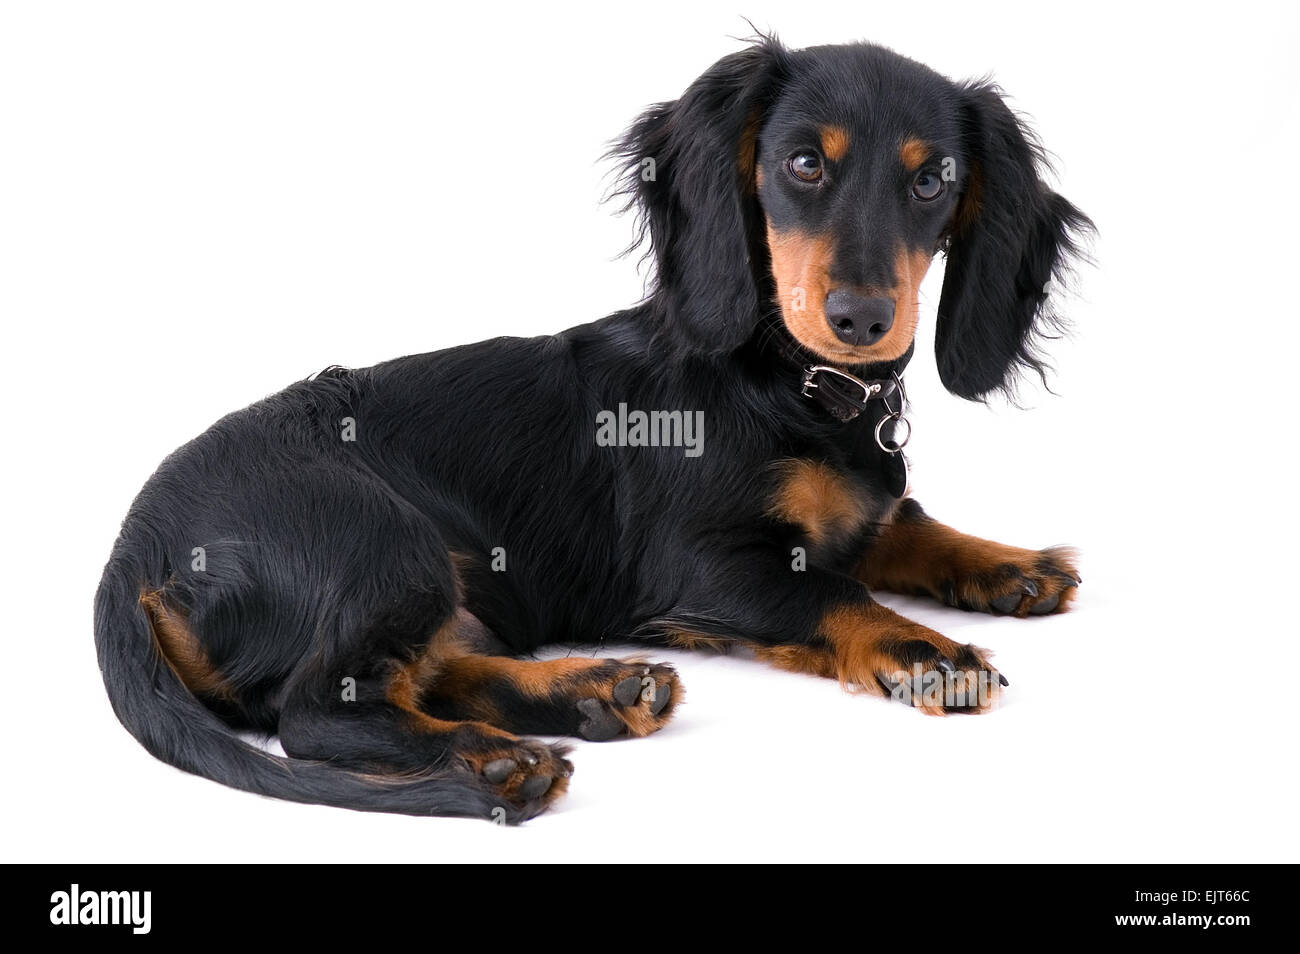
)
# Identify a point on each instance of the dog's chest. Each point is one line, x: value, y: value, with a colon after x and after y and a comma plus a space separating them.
x: 828, y: 502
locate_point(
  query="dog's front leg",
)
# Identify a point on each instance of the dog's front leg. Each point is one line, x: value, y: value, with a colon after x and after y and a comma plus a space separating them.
x: 869, y: 647
x: 826, y: 624
x: 917, y: 555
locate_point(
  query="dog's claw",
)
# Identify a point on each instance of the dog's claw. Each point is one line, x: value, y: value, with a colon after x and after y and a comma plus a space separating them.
x: 1030, y: 588
x: 947, y: 665
x: 1003, y: 680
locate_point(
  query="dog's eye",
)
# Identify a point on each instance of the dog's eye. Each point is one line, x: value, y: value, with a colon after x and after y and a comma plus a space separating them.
x: 927, y: 186
x: 805, y: 166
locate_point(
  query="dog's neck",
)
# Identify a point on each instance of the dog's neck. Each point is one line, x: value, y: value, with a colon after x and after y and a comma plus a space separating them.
x: 843, y: 392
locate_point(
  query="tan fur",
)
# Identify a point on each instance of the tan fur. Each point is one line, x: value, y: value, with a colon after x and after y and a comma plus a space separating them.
x: 182, y: 650
x: 802, y: 262
x: 449, y: 668
x: 860, y: 644
x: 923, y: 555
x: 530, y: 758
x: 812, y: 661
x: 913, y: 152
x: 463, y: 676
x: 910, y: 269
x: 409, y: 682
x: 477, y: 742
x: 835, y: 142
x: 801, y: 268
x: 818, y: 498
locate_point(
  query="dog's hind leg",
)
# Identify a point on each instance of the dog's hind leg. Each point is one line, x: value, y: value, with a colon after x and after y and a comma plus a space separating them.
x: 363, y: 715
x: 352, y: 701
x: 594, y: 699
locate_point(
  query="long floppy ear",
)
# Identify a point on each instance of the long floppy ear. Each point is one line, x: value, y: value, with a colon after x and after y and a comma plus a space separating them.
x: 689, y: 169
x: 1011, y: 235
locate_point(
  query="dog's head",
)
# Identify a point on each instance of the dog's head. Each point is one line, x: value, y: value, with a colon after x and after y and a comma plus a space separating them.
x: 822, y: 182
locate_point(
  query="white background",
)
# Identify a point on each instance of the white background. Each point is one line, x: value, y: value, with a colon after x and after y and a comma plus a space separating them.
x: 202, y: 203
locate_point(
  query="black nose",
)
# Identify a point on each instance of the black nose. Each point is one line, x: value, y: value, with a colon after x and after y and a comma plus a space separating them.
x: 858, y: 320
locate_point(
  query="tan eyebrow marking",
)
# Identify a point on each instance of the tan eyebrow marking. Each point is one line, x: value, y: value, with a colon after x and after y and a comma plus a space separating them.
x: 913, y: 152
x: 835, y: 142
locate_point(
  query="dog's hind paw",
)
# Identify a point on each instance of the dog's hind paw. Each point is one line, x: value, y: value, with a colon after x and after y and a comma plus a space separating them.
x: 632, y: 699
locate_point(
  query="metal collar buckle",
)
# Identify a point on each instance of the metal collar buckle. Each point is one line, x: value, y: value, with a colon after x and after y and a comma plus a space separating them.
x: 871, y: 391
x: 810, y: 373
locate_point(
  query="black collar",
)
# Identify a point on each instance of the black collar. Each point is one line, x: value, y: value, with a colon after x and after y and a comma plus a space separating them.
x: 846, y: 395
x: 843, y: 394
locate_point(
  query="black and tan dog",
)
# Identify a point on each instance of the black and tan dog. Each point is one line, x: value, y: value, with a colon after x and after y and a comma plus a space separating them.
x: 357, y: 563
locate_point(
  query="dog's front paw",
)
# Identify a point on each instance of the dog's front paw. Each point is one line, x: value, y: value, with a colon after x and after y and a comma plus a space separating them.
x: 921, y: 668
x: 870, y: 648
x: 1011, y: 581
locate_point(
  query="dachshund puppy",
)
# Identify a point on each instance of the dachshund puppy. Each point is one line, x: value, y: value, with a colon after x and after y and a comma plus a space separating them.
x: 362, y: 563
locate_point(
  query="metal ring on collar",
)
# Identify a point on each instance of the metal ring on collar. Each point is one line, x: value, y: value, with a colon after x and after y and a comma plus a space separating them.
x: 897, y: 445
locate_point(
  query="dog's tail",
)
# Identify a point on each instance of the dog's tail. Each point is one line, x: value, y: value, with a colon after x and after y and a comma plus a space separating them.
x: 156, y: 707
